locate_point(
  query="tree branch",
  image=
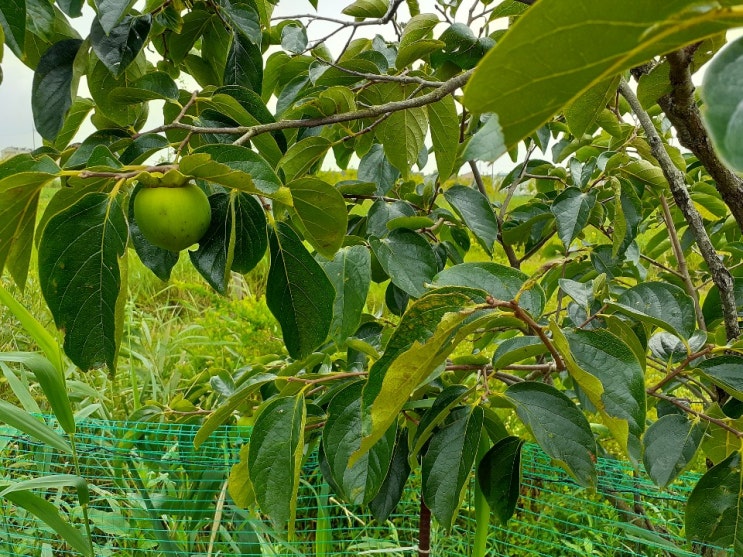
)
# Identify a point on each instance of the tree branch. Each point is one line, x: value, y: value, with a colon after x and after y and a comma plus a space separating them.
x: 720, y: 274
x: 681, y: 109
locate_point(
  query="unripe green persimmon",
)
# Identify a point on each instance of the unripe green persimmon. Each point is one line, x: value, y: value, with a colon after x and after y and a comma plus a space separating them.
x: 172, y: 218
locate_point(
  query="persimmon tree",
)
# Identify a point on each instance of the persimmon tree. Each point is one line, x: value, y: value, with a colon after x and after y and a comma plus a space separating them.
x: 604, y: 300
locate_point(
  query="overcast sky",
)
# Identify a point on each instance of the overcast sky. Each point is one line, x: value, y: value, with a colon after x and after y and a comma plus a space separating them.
x: 17, y: 128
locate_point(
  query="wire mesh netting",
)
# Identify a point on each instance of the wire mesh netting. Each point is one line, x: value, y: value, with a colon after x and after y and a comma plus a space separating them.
x: 153, y: 494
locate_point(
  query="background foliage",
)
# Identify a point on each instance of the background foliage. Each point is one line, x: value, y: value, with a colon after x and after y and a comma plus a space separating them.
x: 588, y: 301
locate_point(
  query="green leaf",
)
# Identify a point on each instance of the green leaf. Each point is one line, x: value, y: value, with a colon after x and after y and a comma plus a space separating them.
x: 322, y: 212
x: 21, y: 180
x: 487, y: 144
x: 361, y: 481
x: 243, y: 18
x: 499, y: 476
x: 517, y: 349
x: 403, y: 134
x: 476, y: 212
x: 440, y: 410
x: 721, y: 95
x: 559, y: 427
x: 111, y: 12
x: 429, y: 331
x: 72, y: 8
x: 275, y: 456
x: 151, y: 86
x: 119, y: 46
x: 101, y: 82
x: 712, y: 305
x: 724, y: 371
x: 294, y: 39
x: 244, y: 64
x: 52, y: 384
x: 578, y: 53
x: 298, y: 293
x: 662, y: 304
x: 76, y: 115
x: 235, y: 167
x: 350, y: 273
x: 415, y: 42
x: 51, y: 91
x: 501, y: 282
x: 367, y: 8
x: 572, y: 209
x: 627, y: 218
x: 239, y: 485
x: 608, y: 372
x: 407, y: 258
x: 714, y: 511
x: 670, y: 446
x: 48, y: 513
x: 52, y: 481
x: 393, y: 487
x: 302, y: 156
x: 581, y: 114
x: 28, y: 424
x: 443, y: 122
x: 447, y: 465
x: 645, y: 172
x: 80, y: 278
x: 13, y: 22
x: 236, y: 240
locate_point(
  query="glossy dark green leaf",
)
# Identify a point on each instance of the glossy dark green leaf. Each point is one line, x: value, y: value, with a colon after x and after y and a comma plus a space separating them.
x: 322, y: 212
x: 374, y: 167
x: 627, y: 218
x: 725, y: 372
x: 416, y: 41
x: 499, y: 476
x: 572, y: 209
x: 298, y: 293
x: 350, y: 273
x: 360, y: 481
x: 443, y: 122
x: 158, y: 260
x: 408, y: 259
x: 13, y: 21
x: 661, y: 304
x: 80, y: 277
x: 501, y: 282
x: 609, y: 374
x: 72, y: 8
x: 21, y: 180
x: 393, y: 487
x: 559, y: 427
x: 51, y: 92
x: 143, y: 147
x: 243, y: 18
x: 447, y: 465
x: 275, y: 457
x: 670, y: 446
x: 476, y: 212
x: 577, y: 53
x: 236, y: 240
x: 151, y: 86
x: 712, y: 305
x: 111, y: 12
x: 714, y: 511
x: 119, y: 46
x: 48, y: 513
x: 440, y: 410
x: 244, y: 65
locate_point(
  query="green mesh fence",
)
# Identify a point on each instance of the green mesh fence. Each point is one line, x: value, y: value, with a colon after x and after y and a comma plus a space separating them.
x: 152, y: 494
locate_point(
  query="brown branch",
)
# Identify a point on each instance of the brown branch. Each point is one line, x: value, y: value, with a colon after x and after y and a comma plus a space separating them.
x: 679, y: 369
x: 720, y: 274
x: 681, y: 108
x: 701, y: 415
